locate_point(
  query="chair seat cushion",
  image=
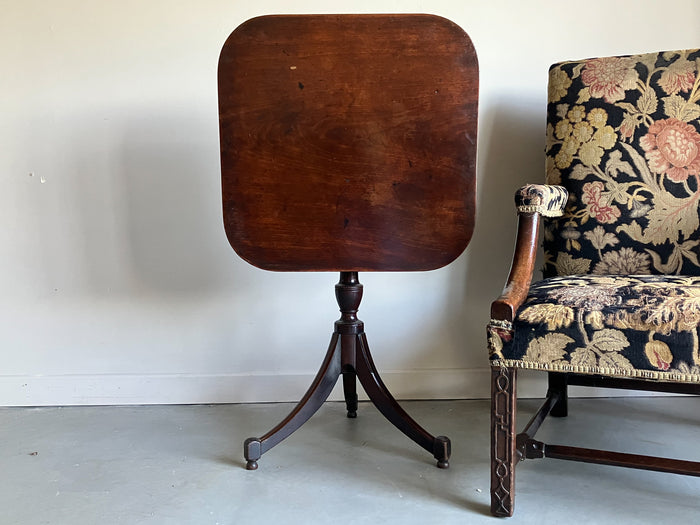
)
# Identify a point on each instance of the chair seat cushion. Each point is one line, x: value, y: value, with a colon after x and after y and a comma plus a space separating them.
x: 643, y: 326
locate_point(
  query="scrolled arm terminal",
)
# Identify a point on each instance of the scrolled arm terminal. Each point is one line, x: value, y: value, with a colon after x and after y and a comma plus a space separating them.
x: 545, y: 199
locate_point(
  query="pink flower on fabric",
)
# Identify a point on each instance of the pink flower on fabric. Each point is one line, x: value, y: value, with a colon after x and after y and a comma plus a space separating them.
x: 608, y: 78
x: 680, y: 76
x: 592, y: 197
x: 672, y: 147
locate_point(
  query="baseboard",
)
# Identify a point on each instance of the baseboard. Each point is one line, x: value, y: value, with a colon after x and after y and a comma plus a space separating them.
x: 156, y: 389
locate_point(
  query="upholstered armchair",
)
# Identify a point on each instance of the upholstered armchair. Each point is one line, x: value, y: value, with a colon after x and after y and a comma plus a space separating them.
x: 619, y: 304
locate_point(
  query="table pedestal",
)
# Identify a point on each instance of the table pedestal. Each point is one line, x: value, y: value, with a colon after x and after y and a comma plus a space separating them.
x: 348, y: 355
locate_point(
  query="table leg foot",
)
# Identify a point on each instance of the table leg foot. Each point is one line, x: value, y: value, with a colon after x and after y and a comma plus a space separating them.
x: 442, y: 448
x: 252, y: 451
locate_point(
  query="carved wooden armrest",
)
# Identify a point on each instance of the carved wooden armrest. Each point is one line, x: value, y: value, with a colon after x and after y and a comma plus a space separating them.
x: 531, y: 201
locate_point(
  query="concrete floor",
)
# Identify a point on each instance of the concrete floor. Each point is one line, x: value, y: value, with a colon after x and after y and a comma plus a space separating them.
x: 184, y: 465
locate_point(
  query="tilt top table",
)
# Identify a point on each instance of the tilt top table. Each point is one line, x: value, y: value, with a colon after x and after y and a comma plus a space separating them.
x: 348, y: 144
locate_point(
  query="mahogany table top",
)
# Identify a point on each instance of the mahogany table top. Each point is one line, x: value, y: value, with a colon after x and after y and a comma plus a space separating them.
x: 348, y: 142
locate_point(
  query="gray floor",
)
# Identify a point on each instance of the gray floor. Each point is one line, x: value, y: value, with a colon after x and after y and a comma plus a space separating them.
x: 183, y: 465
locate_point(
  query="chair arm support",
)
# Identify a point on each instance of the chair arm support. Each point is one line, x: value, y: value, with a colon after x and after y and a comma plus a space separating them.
x: 531, y: 201
x: 521, y: 270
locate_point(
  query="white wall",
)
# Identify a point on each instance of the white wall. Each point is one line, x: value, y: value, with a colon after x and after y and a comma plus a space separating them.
x: 118, y: 285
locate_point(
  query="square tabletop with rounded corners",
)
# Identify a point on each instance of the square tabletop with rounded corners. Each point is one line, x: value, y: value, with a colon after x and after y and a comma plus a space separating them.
x: 348, y: 142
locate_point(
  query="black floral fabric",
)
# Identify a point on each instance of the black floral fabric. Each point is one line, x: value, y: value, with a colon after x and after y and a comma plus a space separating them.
x: 629, y: 326
x: 623, y: 137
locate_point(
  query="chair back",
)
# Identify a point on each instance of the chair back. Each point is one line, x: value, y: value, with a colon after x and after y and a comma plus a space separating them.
x: 623, y: 136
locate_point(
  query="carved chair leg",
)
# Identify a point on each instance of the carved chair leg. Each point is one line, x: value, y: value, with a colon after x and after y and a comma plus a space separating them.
x: 558, y: 382
x: 503, y: 456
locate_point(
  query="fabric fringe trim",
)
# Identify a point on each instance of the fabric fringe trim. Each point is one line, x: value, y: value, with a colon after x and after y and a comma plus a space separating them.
x: 670, y: 377
x: 542, y: 210
x: 501, y: 323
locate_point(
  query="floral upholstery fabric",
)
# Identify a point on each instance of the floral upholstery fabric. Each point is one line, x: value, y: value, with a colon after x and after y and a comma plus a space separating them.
x: 544, y: 199
x: 643, y: 326
x: 621, y: 288
x: 623, y: 137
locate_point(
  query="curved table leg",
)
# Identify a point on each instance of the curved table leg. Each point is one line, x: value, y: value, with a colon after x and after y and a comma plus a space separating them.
x: 379, y: 394
x: 350, y: 391
x: 315, y: 396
